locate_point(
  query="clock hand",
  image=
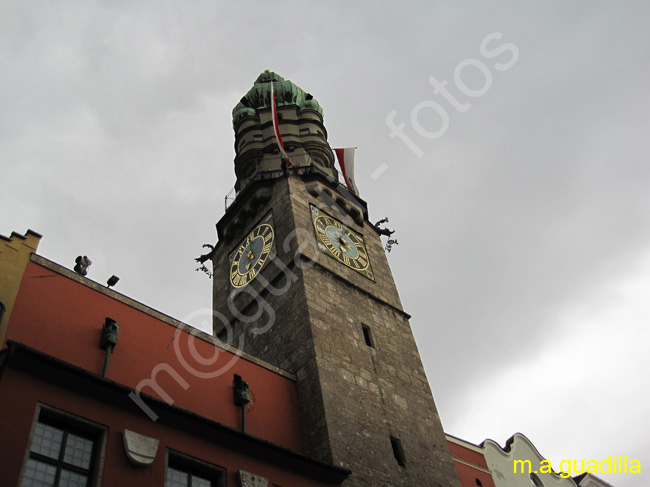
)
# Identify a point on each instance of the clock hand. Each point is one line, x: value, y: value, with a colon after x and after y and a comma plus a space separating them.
x: 343, y: 244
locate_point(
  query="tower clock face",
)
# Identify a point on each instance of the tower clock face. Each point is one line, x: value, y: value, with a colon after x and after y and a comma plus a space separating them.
x: 251, y: 255
x: 341, y: 243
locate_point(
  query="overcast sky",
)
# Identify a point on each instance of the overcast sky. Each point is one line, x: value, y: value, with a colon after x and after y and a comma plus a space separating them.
x: 523, y: 218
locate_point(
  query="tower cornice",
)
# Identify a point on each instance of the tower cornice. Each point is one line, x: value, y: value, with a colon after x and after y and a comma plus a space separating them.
x: 252, y: 197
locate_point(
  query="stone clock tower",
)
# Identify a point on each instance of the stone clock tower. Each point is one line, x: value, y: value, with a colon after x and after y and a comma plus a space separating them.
x: 301, y: 280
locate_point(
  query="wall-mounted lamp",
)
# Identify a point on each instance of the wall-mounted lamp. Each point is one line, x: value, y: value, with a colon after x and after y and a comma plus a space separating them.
x: 108, y: 340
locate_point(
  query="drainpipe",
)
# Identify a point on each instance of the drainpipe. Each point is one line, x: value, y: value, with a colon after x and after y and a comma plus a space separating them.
x: 242, y: 397
x: 9, y: 351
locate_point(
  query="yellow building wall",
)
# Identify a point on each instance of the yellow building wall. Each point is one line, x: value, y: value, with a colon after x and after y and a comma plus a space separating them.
x: 15, y: 252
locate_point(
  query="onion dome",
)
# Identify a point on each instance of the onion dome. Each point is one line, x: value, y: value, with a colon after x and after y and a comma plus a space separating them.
x: 286, y: 94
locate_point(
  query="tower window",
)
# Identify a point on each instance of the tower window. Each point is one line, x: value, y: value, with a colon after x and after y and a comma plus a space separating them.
x: 367, y: 335
x: 258, y: 138
x: 398, y: 451
x: 304, y: 131
x: 478, y: 483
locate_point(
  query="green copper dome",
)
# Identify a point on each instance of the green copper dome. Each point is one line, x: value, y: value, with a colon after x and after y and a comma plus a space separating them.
x: 286, y: 93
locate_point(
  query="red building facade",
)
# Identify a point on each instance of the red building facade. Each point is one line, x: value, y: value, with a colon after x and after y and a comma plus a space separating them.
x: 157, y: 408
x: 471, y: 467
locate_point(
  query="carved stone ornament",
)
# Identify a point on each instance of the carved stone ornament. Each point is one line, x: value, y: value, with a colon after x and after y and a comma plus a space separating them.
x: 247, y: 479
x: 140, y: 450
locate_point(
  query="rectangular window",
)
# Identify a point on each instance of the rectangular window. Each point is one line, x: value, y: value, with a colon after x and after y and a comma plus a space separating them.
x: 186, y: 471
x: 398, y: 451
x: 304, y: 131
x: 63, y: 452
x: 258, y: 138
x: 367, y: 335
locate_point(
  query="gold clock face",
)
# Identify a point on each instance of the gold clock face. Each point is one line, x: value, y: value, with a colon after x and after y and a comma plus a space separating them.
x: 251, y: 255
x: 341, y: 242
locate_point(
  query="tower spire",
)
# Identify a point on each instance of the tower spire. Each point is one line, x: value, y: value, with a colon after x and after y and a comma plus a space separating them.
x: 277, y: 121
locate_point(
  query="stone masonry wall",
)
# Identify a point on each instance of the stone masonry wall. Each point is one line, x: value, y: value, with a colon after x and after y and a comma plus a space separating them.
x: 353, y: 397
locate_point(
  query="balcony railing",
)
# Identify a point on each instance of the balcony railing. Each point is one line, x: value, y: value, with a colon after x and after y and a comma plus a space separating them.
x: 232, y: 195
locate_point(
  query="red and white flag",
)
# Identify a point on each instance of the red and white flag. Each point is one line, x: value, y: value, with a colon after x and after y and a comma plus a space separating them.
x: 276, y: 129
x: 346, y: 161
